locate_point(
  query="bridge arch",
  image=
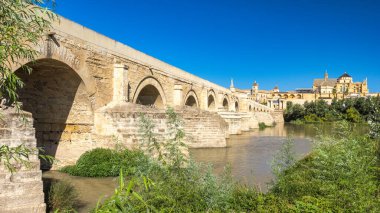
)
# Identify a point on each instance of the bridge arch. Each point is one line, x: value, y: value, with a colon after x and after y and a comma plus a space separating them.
x: 225, y: 103
x: 191, y: 99
x: 149, y: 92
x: 211, y: 100
x: 50, y: 50
x: 60, y: 104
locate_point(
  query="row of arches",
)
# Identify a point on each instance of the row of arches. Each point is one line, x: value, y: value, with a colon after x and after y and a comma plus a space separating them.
x: 150, y: 92
x: 257, y: 109
x: 290, y: 96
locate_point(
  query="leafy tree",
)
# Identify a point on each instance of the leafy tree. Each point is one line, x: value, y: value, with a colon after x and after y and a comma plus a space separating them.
x: 22, y: 25
x: 294, y: 112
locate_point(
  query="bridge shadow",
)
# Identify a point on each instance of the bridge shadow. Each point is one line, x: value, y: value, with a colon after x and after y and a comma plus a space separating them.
x: 61, y: 109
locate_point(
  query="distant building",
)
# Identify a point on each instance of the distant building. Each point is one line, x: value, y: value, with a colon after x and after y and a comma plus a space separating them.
x: 339, y: 87
x: 323, y: 88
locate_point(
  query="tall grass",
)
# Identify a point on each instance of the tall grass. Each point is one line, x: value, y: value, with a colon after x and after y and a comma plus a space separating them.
x: 62, y: 197
x: 340, y: 175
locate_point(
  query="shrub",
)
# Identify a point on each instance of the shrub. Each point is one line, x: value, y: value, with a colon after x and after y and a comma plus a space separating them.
x: 353, y: 115
x: 293, y: 112
x: 298, y: 122
x: 62, y: 197
x: 262, y: 126
x: 312, y: 118
x: 102, y: 162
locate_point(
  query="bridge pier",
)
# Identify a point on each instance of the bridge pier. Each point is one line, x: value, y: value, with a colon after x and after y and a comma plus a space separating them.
x: 20, y: 191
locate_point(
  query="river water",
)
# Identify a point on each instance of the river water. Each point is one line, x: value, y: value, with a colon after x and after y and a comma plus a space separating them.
x: 249, y: 155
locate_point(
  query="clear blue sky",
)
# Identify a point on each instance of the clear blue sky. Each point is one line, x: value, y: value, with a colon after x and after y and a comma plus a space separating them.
x: 283, y: 42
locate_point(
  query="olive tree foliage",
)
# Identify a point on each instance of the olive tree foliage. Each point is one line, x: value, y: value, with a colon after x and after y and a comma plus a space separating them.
x: 22, y: 25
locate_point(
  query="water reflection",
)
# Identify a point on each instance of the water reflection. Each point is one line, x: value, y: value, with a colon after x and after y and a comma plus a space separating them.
x: 90, y: 190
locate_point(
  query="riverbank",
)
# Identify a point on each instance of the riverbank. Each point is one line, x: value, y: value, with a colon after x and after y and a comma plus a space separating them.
x: 250, y: 156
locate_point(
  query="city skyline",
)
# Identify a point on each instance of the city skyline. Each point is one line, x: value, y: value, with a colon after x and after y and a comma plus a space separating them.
x: 273, y: 42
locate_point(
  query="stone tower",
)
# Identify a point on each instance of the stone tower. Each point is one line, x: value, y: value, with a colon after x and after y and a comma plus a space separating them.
x: 232, y: 87
x: 255, y: 88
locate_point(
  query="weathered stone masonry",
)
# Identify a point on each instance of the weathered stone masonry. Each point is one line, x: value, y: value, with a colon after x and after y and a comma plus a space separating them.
x: 20, y: 191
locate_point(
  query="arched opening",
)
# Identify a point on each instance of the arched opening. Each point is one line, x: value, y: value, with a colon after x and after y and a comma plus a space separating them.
x: 236, y: 106
x: 150, y: 96
x: 61, y: 108
x: 191, y: 101
x: 225, y: 104
x: 149, y: 92
x: 211, y: 102
x: 250, y: 108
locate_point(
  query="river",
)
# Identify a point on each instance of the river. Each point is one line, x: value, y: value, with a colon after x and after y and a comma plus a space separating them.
x: 249, y: 154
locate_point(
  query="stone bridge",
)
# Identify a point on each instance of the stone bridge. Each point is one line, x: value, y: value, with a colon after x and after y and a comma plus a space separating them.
x: 86, y: 90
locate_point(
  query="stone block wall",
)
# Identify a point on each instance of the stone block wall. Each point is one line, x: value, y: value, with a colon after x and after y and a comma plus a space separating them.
x: 21, y: 191
x: 203, y: 129
x: 234, y: 121
x: 278, y: 116
x: 263, y: 117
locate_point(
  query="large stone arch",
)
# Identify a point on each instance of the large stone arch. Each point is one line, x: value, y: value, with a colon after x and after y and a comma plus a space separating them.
x: 191, y: 99
x: 51, y: 50
x: 211, y: 100
x: 150, y: 92
x: 61, y: 107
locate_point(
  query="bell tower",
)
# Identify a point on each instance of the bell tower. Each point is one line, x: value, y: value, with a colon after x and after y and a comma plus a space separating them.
x: 255, y: 87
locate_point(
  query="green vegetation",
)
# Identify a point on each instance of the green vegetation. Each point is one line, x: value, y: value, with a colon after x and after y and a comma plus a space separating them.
x: 340, y: 175
x: 62, y: 197
x: 14, y: 157
x: 170, y: 152
x: 102, y: 162
x: 22, y: 25
x: 262, y: 126
x: 356, y: 110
